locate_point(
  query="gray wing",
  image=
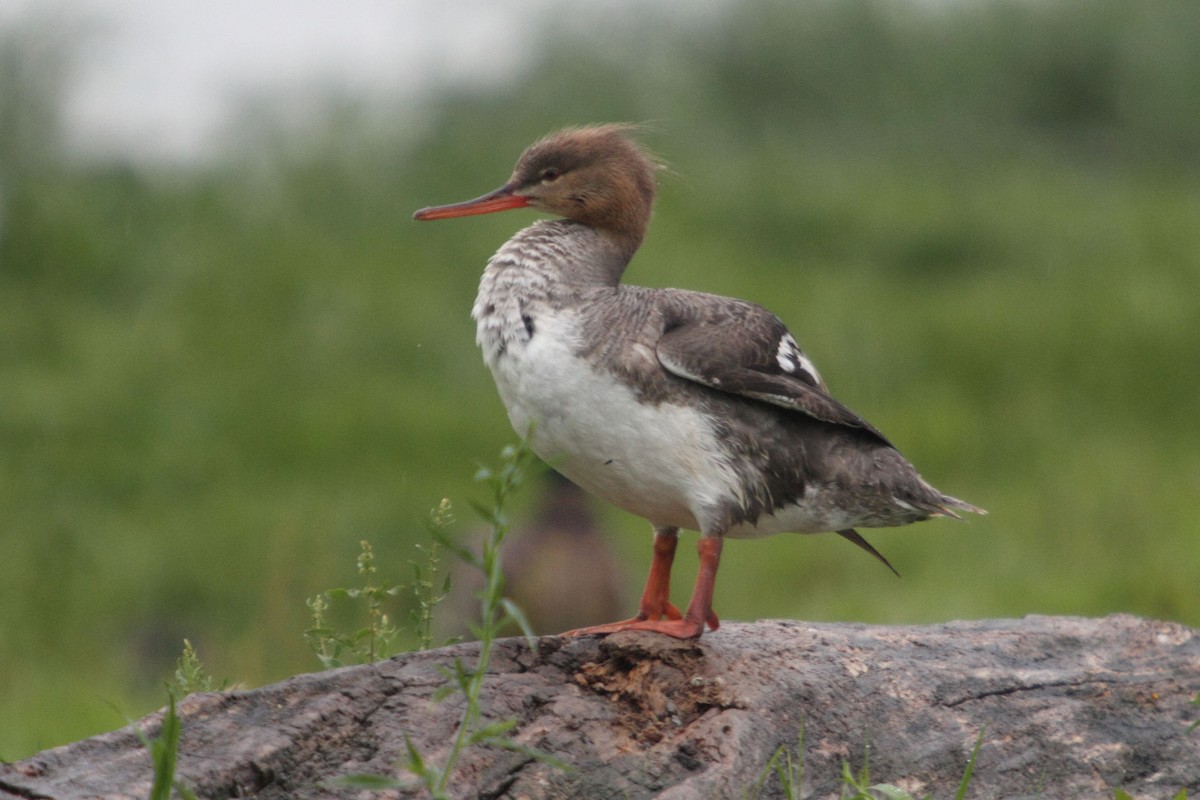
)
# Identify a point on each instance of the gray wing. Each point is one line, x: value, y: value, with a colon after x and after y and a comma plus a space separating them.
x: 745, y: 350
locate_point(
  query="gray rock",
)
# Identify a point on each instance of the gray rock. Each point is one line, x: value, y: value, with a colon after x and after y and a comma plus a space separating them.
x: 1068, y: 708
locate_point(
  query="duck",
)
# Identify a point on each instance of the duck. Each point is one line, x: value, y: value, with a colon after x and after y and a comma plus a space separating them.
x: 691, y: 410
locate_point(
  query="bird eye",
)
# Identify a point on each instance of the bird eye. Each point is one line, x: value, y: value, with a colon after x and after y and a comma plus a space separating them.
x: 550, y: 174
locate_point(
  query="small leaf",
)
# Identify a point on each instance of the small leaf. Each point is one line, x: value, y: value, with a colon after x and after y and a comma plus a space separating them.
x: 443, y: 692
x: 163, y: 750
x: 966, y: 778
x: 323, y: 632
x: 495, y: 730
x: 416, y: 764
x: 518, y: 616
x: 532, y: 752
x: 487, y: 514
x: 369, y: 782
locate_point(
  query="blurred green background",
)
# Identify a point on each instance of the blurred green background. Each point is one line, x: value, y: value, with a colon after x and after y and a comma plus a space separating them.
x: 980, y: 219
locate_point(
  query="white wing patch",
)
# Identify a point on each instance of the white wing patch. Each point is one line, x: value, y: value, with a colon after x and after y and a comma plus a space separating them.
x: 792, y: 360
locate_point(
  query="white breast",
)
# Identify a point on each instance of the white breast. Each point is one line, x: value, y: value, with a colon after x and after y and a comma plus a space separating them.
x: 661, y: 462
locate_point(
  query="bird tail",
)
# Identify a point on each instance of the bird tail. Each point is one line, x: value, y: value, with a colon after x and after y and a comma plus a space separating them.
x: 948, y: 506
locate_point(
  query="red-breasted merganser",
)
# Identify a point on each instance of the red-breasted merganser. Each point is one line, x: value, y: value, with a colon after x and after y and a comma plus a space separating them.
x: 688, y: 409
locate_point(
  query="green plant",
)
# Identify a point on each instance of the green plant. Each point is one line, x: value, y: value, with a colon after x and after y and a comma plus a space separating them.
x: 1196, y: 724
x: 863, y: 789
x: 966, y: 778
x: 426, y: 593
x: 860, y: 782
x: 369, y: 642
x: 1120, y: 794
x: 374, y: 640
x: 787, y: 766
x: 164, y: 750
x: 496, y: 612
x: 190, y: 675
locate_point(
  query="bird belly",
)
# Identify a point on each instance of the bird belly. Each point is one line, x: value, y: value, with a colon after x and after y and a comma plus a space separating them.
x: 660, y: 461
x: 811, y: 513
x: 823, y: 507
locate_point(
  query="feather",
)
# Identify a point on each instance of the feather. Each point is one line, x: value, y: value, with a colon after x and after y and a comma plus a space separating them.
x: 854, y: 536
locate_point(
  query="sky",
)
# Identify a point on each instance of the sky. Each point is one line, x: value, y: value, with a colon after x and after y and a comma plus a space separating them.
x: 157, y: 78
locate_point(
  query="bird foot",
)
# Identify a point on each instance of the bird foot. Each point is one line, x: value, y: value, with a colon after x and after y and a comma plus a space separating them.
x: 673, y: 626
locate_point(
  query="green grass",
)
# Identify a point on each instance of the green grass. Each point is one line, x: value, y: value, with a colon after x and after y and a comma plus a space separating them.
x: 784, y: 773
x: 496, y: 612
x: 215, y: 382
x: 857, y: 785
x: 164, y: 753
x: 785, y: 767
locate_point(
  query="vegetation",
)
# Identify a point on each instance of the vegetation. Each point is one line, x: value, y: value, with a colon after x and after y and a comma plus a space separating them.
x: 375, y: 640
x: 190, y: 674
x: 496, y: 612
x: 858, y: 784
x: 164, y: 751
x: 369, y: 643
x: 786, y: 768
x: 979, y: 219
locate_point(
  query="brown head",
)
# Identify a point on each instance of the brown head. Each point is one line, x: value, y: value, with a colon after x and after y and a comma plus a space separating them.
x: 595, y: 175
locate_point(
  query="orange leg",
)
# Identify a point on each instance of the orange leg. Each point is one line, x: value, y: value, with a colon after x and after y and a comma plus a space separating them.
x: 656, y: 597
x: 655, y: 605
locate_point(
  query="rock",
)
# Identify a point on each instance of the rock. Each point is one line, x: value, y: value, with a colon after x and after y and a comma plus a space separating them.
x: 1068, y: 708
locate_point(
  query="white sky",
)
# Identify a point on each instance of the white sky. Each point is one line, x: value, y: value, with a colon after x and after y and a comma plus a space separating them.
x: 157, y: 78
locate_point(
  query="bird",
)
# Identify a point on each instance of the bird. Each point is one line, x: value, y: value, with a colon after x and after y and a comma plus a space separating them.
x: 691, y: 410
